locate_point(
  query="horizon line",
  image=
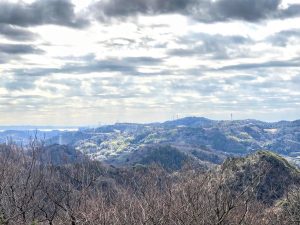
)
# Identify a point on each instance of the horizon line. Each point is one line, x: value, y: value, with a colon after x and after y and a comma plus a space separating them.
x: 131, y: 122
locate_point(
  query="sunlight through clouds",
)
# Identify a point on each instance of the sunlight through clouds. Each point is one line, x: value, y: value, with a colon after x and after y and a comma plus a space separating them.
x: 94, y: 58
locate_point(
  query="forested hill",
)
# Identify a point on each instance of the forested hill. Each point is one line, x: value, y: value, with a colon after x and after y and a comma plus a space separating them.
x: 196, y: 138
x: 40, y: 188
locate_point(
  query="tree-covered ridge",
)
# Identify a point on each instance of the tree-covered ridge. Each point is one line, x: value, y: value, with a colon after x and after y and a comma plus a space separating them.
x: 115, y: 143
x: 260, y: 189
x: 210, y: 141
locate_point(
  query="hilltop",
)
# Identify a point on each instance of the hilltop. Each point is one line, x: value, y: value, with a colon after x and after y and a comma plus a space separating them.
x: 209, y: 141
x: 271, y: 174
x: 195, y: 136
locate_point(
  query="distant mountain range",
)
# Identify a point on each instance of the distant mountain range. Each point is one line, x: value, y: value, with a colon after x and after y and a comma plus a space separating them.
x: 196, y: 139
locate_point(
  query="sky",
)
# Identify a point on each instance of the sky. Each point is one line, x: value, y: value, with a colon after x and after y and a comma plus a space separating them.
x: 75, y: 62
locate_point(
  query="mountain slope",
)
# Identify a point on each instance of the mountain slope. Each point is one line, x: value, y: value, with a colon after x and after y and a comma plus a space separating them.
x: 271, y: 174
x: 115, y: 143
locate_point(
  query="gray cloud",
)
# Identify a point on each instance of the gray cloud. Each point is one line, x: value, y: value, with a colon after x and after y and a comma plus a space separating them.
x: 9, y: 52
x: 60, y: 12
x: 116, y: 8
x: 270, y: 64
x: 282, y: 38
x: 126, y: 65
x: 19, y: 49
x: 20, y: 83
x: 5, y: 58
x: 239, y: 79
x: 292, y: 11
x: 213, y: 46
x: 16, y: 33
x: 250, y: 10
x: 202, y: 10
x: 240, y: 92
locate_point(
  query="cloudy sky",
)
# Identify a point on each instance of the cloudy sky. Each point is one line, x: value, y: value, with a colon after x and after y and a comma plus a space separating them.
x: 78, y: 62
